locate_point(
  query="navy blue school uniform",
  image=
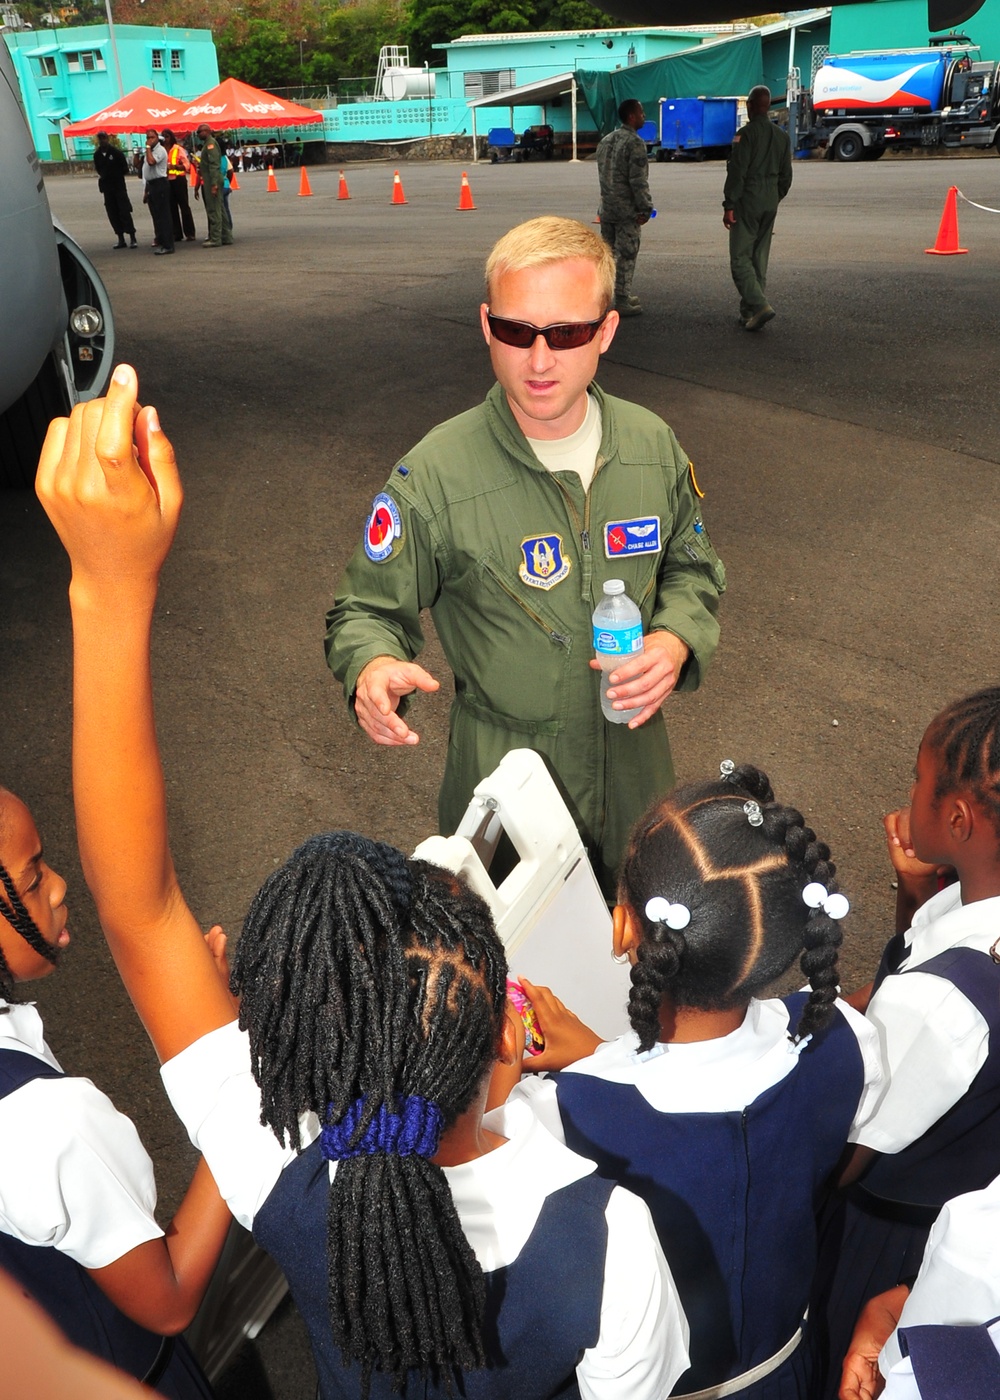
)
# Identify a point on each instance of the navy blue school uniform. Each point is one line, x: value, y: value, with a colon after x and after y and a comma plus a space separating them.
x: 874, y: 1238
x: 71, y: 1297
x: 732, y: 1166
x: 579, y: 1299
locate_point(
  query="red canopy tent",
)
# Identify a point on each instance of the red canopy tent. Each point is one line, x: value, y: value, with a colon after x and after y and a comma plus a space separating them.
x: 136, y: 111
x: 234, y: 105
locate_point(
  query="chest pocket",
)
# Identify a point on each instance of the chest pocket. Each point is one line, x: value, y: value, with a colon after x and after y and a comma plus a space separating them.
x: 517, y: 650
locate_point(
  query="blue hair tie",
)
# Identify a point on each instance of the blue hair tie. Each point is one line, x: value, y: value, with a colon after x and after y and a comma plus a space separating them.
x: 413, y: 1132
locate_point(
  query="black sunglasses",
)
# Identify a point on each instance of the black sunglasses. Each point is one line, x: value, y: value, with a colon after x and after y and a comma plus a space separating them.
x: 566, y: 335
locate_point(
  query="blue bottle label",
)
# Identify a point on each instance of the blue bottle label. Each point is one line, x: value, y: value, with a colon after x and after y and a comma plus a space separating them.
x: 621, y: 641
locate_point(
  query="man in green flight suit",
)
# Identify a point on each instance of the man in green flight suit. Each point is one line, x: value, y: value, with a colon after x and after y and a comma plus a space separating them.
x: 505, y: 522
x: 758, y: 177
x: 210, y: 170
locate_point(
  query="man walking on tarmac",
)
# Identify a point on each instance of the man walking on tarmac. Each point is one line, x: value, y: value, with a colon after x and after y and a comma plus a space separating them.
x: 506, y: 522
x: 758, y: 177
x: 210, y: 170
x: 623, y: 170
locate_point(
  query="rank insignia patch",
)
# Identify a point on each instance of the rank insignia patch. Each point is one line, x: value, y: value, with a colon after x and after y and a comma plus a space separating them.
x: 384, y: 526
x: 543, y: 562
x: 625, y: 537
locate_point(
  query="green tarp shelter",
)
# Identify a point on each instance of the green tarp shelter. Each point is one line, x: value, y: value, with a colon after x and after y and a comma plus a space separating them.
x: 726, y: 69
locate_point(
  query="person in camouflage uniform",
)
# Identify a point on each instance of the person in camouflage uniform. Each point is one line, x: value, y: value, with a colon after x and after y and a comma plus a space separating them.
x: 623, y: 170
x: 220, y: 235
x: 758, y: 177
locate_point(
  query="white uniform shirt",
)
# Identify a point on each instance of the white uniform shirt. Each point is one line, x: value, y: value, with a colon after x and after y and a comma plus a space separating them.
x: 934, y: 1041
x: 723, y: 1075
x: 73, y: 1173
x: 642, y: 1347
x: 959, y: 1279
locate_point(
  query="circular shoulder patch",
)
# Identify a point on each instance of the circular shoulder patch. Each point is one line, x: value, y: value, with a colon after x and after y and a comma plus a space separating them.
x: 383, y: 528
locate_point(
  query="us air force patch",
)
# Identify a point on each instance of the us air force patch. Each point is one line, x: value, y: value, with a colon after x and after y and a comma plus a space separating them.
x: 383, y: 528
x: 625, y: 537
x: 544, y: 563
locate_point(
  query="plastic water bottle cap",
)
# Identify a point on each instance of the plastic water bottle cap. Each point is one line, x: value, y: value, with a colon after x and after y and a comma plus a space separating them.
x: 613, y: 586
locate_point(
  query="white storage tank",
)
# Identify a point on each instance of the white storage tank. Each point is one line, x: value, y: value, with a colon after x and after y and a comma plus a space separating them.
x: 399, y: 83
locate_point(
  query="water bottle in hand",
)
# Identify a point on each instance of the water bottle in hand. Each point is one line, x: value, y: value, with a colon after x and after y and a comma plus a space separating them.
x: 617, y: 636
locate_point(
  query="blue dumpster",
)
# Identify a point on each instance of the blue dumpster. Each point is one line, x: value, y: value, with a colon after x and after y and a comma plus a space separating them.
x: 697, y: 125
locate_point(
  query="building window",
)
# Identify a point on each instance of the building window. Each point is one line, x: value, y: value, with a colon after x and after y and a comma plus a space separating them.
x: 157, y: 60
x: 488, y: 84
x: 46, y: 68
x: 85, y: 61
x: 176, y: 60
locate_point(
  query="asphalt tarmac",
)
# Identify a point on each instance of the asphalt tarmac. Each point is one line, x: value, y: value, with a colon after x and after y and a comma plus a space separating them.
x: 848, y: 453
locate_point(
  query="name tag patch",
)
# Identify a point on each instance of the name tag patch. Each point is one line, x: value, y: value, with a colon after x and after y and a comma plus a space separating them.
x: 639, y: 536
x: 543, y: 561
x: 383, y: 528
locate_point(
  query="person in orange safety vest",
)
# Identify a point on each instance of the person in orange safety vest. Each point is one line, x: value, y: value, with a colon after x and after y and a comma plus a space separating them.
x: 178, y: 169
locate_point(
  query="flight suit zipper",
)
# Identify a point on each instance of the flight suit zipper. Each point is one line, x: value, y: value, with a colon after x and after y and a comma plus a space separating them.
x: 560, y: 638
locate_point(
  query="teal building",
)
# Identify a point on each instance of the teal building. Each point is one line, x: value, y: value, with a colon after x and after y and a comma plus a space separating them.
x: 902, y: 24
x: 68, y: 73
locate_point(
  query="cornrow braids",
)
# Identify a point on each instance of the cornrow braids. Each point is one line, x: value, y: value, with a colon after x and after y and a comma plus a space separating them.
x: 366, y: 977
x: 21, y: 922
x: 966, y: 738
x: 743, y: 885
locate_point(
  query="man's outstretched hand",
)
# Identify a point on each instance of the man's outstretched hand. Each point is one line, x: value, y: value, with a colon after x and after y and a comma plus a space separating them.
x: 381, y: 685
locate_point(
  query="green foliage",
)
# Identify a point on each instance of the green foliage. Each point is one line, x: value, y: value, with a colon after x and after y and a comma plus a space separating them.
x: 439, y: 21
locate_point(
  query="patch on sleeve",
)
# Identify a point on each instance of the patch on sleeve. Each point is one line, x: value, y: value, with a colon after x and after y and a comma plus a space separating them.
x: 625, y: 537
x: 543, y: 562
x: 694, y: 482
x: 403, y: 469
x: 383, y: 528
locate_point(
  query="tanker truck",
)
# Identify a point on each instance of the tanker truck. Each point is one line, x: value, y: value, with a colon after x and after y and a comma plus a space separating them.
x: 865, y: 104
x: 57, y: 333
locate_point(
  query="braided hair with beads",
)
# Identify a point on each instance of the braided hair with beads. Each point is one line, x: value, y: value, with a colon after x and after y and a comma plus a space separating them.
x: 743, y: 885
x: 371, y: 984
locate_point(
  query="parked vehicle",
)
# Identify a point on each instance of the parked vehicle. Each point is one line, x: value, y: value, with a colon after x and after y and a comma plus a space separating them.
x: 57, y: 339
x: 865, y: 104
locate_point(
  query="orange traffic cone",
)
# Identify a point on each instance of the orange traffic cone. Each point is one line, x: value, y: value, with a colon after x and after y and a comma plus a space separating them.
x: 465, y: 194
x: 342, y: 190
x: 947, y: 236
x: 398, y: 197
x: 233, y: 183
x: 272, y: 184
x: 304, y: 186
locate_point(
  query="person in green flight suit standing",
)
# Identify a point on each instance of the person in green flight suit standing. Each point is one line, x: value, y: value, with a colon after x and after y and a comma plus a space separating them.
x: 758, y: 176
x: 504, y: 523
x: 210, y: 170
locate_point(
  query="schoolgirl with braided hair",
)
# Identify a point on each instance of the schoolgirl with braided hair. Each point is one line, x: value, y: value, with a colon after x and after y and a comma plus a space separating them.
x: 726, y: 1111
x: 77, y: 1196
x: 935, y: 1001
x: 430, y: 1250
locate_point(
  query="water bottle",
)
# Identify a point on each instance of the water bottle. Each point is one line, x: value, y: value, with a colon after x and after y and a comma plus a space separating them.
x: 617, y: 636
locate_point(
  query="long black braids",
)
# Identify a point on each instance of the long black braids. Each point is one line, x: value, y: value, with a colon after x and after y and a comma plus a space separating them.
x: 370, y: 983
x: 743, y: 885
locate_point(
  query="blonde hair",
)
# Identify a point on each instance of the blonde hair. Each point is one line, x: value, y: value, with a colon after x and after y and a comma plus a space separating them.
x: 551, y: 239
